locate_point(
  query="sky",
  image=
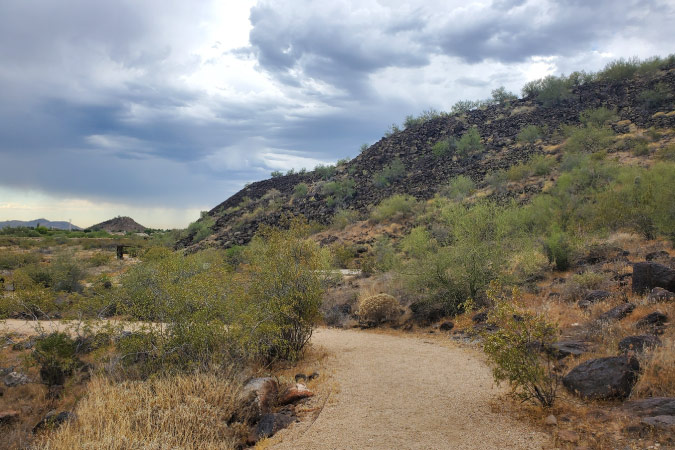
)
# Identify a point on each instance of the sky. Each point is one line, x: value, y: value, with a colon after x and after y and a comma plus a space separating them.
x: 160, y: 109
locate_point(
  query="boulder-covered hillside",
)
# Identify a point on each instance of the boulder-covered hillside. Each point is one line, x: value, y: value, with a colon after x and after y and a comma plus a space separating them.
x: 119, y: 225
x: 422, y: 158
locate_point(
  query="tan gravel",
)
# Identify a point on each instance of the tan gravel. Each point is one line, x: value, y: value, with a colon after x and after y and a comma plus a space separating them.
x: 398, y: 392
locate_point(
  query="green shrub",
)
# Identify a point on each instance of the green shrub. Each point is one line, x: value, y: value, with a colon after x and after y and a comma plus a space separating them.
x: 425, y: 116
x: 530, y: 134
x: 300, y: 190
x: 443, y: 147
x: 666, y: 153
x: 14, y: 260
x: 464, y: 106
x: 518, y: 353
x: 541, y: 165
x: 497, y: 180
x: 344, y: 217
x: 469, y: 142
x: 459, y: 188
x: 518, y: 172
x: 343, y: 255
x: 389, y: 173
x: 276, y: 174
x: 100, y: 259
x: 598, y: 117
x: 363, y: 147
x: 325, y: 172
x: 558, y: 250
x: 620, y: 69
x: 55, y: 354
x: 338, y: 192
x: 657, y: 97
x: 202, y: 228
x: 589, y: 140
x: 378, y: 308
x: 392, y: 130
x: 553, y: 91
x: 501, y: 96
x: 395, y: 207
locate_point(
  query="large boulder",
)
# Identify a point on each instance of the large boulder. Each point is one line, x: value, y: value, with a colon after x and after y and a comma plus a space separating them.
x: 638, y: 343
x: 648, y: 275
x: 617, y: 313
x: 603, y: 378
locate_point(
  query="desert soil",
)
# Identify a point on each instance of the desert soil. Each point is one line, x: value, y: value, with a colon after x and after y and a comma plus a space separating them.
x: 398, y: 392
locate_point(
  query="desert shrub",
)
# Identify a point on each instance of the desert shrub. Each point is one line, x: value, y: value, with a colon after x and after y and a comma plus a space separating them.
x: 325, y: 172
x: 156, y: 253
x: 55, y: 354
x: 598, y: 117
x: 235, y: 255
x: 67, y: 273
x: 497, y: 180
x: 640, y: 147
x: 620, y: 69
x: 391, y: 172
x: 344, y: 217
x: 300, y: 190
x: 201, y: 229
x: 518, y: 172
x: 558, y: 250
x: 443, y: 147
x: 276, y: 174
x: 339, y: 192
x: 528, y: 265
x: 363, y: 147
x: 464, y: 106
x: 397, y: 206
x: 99, y: 259
x: 516, y: 350
x: 278, y: 293
x: 660, y: 95
x: 541, y: 165
x: 382, y: 258
x: 501, y: 96
x: 14, y: 260
x: 589, y: 280
x: 392, y: 130
x: 469, y: 142
x: 198, y: 410
x: 425, y: 116
x: 658, y: 373
x: 530, y: 134
x: 666, y: 153
x: 459, y: 188
x: 588, y: 140
x: 343, y: 255
x: 378, y: 308
x: 549, y: 91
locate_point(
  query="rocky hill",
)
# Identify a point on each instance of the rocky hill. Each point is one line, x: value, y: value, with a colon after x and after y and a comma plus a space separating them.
x: 119, y: 225
x: 405, y: 162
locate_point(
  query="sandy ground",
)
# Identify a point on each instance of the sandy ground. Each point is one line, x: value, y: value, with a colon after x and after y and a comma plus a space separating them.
x: 34, y: 327
x: 397, y: 392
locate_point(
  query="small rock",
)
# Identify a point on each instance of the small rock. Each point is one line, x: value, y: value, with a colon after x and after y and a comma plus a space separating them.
x: 654, y: 320
x: 300, y: 377
x: 603, y: 378
x: 654, y: 406
x: 592, y: 297
x: 446, y: 326
x: 617, y: 313
x: 551, y: 420
x: 568, y: 436
x: 638, y: 343
x: 562, y: 349
x: 8, y: 416
x: 660, y: 295
x: 53, y: 420
x: 294, y: 393
x: 15, y: 379
x: 480, y: 317
x: 661, y: 254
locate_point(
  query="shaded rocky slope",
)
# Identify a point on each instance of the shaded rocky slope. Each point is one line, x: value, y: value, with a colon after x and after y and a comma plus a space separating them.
x: 268, y: 201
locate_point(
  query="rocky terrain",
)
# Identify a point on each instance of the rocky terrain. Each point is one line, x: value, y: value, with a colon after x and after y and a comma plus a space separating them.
x: 119, y: 225
x: 268, y: 201
x: 56, y: 225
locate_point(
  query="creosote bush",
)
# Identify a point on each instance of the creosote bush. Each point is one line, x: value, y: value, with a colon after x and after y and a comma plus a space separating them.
x: 391, y: 172
x: 469, y: 142
x: 395, y: 207
x: 530, y: 134
x: 517, y: 349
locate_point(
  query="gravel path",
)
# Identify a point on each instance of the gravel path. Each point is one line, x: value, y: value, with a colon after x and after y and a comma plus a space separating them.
x: 407, y: 393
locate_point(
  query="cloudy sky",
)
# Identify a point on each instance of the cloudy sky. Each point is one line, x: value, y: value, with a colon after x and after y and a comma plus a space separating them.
x: 159, y: 109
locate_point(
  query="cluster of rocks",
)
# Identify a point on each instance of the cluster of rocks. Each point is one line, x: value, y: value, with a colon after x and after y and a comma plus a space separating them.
x: 273, y: 408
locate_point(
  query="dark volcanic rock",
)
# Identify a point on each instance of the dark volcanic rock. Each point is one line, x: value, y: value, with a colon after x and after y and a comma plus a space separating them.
x: 655, y: 406
x: 638, y: 343
x: 270, y: 424
x: 563, y: 349
x: 425, y: 313
x: 603, y: 378
x: 595, y: 296
x: 446, y: 326
x: 648, y: 275
x: 660, y: 255
x: 480, y: 317
x: 53, y: 420
x: 660, y: 295
x: 617, y: 313
x: 655, y: 319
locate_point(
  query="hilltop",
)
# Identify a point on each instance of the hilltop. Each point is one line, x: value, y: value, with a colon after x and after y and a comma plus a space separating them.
x: 56, y: 225
x: 414, y: 161
x: 119, y: 225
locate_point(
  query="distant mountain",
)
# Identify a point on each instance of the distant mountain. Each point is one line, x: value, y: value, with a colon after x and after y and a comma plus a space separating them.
x: 57, y: 225
x: 119, y: 224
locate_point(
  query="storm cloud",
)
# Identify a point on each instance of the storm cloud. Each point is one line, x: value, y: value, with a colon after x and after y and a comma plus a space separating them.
x: 178, y: 104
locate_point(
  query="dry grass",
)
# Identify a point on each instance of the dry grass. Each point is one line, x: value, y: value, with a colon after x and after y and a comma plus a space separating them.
x: 184, y: 411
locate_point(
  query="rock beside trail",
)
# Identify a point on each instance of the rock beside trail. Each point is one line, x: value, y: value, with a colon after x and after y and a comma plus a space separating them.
x: 660, y: 295
x: 294, y: 393
x: 263, y: 393
x: 617, y: 313
x: 638, y: 343
x: 603, y: 378
x: 648, y: 275
x: 269, y: 425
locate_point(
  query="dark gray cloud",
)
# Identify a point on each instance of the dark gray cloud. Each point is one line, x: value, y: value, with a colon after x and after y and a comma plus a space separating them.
x: 144, y: 103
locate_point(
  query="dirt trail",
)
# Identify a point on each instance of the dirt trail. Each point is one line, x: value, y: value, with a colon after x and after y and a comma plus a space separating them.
x: 407, y: 393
